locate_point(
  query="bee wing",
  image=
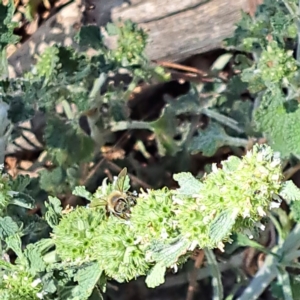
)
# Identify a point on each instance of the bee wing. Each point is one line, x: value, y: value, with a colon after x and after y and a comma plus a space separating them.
x: 98, y: 202
x: 121, y: 180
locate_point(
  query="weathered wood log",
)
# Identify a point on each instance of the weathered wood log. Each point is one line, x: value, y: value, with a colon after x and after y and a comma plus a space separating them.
x: 177, y: 29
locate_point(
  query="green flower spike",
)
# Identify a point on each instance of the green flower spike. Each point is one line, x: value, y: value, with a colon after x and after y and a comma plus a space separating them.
x: 232, y: 199
x: 117, y: 251
x: 75, y: 234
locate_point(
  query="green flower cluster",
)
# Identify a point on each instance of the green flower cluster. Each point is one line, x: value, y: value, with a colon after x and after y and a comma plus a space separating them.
x: 20, y: 285
x: 131, y: 43
x: 118, y: 252
x: 239, y: 194
x: 232, y: 199
x: 276, y: 64
x: 75, y: 234
x: 153, y: 218
x: 6, y: 193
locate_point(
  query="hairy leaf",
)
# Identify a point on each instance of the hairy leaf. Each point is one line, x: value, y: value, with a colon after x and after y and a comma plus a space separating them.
x: 222, y: 225
x: 290, y: 192
x: 211, y: 139
x: 7, y: 227
x: 82, y: 192
x: 53, y: 213
x: 73, y: 146
x: 87, y: 277
x: 156, y: 276
x: 278, y: 119
x: 53, y: 181
x: 189, y: 185
x: 165, y: 129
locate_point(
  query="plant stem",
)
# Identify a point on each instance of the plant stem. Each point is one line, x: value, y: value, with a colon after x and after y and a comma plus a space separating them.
x: 298, y: 36
x: 222, y: 119
x: 237, y: 142
x: 124, y: 125
x: 67, y: 108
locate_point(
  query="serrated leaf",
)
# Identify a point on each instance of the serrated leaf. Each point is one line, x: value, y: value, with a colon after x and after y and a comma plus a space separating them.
x: 278, y: 119
x: 222, y: 225
x: 25, y: 201
x: 209, y: 140
x: 14, y: 242
x: 244, y: 241
x: 289, y: 191
x: 73, y: 144
x: 186, y: 104
x: 240, y: 111
x: 295, y: 210
x: 49, y: 283
x: 189, y: 185
x: 165, y: 130
x: 156, y: 276
x: 53, y: 213
x: 81, y: 191
x: 20, y: 183
x: 8, y: 227
x: 231, y: 164
x: 52, y: 181
x: 87, y: 277
x: 168, y: 253
x: 35, y: 260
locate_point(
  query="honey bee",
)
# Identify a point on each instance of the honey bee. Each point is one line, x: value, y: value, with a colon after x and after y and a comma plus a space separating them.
x: 118, y: 202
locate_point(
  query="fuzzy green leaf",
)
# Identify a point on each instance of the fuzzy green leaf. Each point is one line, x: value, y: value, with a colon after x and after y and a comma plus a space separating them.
x: 209, y: 140
x: 289, y: 191
x: 231, y: 164
x: 186, y: 104
x: 73, y: 145
x: 14, y: 242
x: 168, y: 253
x: 7, y: 227
x: 295, y: 210
x: 20, y: 183
x: 24, y: 201
x: 278, y: 119
x: 87, y: 277
x: 53, y: 181
x: 53, y: 213
x: 222, y: 225
x: 189, y: 185
x: 81, y: 191
x: 165, y: 130
x: 35, y: 259
x: 244, y: 241
x: 156, y: 276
